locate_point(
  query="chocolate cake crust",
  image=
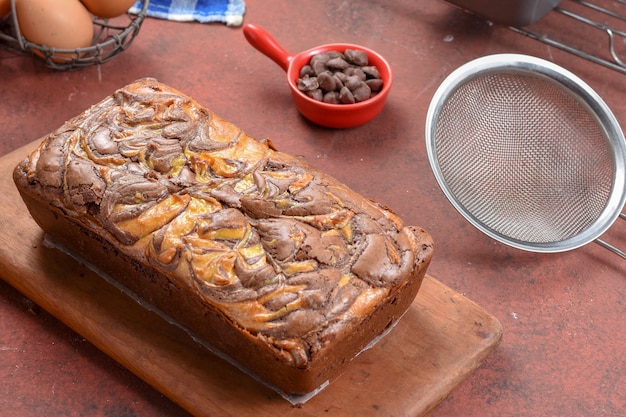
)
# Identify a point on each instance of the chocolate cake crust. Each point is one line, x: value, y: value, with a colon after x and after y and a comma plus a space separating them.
x: 276, y: 264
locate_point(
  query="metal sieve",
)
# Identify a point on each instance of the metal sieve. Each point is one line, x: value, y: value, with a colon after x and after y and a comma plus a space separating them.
x: 528, y: 153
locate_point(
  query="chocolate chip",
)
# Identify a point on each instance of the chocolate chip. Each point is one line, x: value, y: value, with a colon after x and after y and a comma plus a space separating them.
x: 326, y: 81
x: 375, y: 84
x: 370, y: 71
x: 362, y: 92
x: 346, y: 96
x: 353, y: 82
x: 308, y: 84
x: 332, y: 97
x: 316, y: 94
x: 356, y: 57
x: 337, y: 63
x: 347, y: 75
x: 306, y: 71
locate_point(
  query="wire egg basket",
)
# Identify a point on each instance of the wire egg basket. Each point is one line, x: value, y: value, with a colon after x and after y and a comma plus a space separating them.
x: 111, y: 37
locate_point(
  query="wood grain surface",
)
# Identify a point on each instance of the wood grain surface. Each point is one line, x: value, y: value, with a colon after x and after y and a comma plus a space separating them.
x: 442, y: 338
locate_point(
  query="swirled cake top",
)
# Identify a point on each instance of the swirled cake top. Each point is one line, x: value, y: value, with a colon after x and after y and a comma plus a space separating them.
x: 285, y: 251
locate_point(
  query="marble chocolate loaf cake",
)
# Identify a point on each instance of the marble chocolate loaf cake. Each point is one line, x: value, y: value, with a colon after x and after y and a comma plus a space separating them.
x: 277, y: 265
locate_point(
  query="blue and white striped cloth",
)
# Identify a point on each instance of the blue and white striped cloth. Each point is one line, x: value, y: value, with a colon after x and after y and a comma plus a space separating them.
x: 229, y: 12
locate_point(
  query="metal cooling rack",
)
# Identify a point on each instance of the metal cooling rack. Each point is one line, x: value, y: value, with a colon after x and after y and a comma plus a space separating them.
x: 581, y: 15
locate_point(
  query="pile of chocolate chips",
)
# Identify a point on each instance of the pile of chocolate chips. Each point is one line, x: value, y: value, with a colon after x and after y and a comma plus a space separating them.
x: 340, y: 78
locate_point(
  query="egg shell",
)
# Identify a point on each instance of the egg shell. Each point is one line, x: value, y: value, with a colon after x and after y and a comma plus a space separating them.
x: 5, y: 7
x: 59, y: 24
x: 108, y: 8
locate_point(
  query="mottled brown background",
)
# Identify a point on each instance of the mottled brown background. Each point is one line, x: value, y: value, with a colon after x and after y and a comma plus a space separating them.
x: 563, y: 351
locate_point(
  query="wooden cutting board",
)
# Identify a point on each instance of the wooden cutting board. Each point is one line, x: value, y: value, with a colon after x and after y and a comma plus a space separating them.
x: 442, y: 338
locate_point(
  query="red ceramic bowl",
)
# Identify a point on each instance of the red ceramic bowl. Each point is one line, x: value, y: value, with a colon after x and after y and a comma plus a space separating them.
x: 324, y: 114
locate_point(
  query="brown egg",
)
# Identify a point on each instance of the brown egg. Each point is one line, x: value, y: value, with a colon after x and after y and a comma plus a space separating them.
x: 5, y: 7
x: 108, y: 8
x: 63, y: 24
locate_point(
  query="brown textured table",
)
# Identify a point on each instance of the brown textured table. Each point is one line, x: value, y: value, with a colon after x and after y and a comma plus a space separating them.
x: 563, y: 351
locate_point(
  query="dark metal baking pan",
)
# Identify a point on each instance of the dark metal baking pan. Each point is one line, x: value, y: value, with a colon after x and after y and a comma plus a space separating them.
x: 508, y: 12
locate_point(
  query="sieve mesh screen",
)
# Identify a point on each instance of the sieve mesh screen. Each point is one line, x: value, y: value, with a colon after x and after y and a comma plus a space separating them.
x: 523, y: 156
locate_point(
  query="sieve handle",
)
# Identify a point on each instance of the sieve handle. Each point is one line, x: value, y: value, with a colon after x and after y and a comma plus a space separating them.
x: 610, y: 247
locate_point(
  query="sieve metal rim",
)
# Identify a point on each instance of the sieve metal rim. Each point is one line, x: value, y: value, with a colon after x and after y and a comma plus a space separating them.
x: 568, y: 82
